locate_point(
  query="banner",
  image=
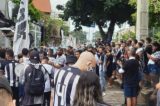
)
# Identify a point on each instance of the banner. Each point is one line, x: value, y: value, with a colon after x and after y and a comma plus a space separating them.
x: 21, y: 36
x: 63, y: 38
x: 71, y: 41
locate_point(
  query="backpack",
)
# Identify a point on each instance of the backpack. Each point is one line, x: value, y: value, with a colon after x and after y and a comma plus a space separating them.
x: 36, y: 82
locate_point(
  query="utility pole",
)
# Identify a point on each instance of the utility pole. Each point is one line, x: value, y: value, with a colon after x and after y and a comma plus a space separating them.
x: 142, y: 19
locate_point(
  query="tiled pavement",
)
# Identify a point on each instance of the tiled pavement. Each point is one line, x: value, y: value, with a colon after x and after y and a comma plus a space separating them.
x: 115, y: 97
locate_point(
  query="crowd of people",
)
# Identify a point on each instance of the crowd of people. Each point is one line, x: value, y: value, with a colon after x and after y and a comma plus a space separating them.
x: 80, y: 76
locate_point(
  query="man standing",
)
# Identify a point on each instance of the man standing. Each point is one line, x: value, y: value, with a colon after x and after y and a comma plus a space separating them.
x: 100, y: 60
x: 78, y: 53
x: 66, y: 79
x: 19, y: 70
x: 34, y: 81
x: 25, y: 53
x: 11, y: 76
x: 130, y: 71
x: 47, y: 91
x: 60, y: 59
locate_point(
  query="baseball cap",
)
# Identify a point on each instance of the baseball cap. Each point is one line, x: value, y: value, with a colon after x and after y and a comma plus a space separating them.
x: 34, y: 56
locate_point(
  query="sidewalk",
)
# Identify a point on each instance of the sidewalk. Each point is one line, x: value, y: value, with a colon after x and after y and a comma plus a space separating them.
x: 115, y: 97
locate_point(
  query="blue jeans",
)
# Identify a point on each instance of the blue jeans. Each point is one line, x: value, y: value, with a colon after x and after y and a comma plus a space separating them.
x: 102, y: 80
x: 154, y: 73
x: 153, y: 69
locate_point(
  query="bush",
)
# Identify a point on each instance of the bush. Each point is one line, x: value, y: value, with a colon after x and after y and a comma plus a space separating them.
x: 156, y: 37
x: 128, y: 35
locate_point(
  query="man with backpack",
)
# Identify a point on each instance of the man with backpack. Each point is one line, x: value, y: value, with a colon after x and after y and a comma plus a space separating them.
x: 34, y: 81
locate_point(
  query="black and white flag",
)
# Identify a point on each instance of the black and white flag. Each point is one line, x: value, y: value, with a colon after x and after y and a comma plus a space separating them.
x: 21, y: 36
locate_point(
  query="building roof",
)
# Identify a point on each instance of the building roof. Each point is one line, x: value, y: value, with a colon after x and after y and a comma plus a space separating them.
x: 42, y: 5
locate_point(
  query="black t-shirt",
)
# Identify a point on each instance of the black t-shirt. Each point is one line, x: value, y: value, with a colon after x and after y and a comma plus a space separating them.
x: 148, y: 50
x: 110, y: 60
x: 131, y: 74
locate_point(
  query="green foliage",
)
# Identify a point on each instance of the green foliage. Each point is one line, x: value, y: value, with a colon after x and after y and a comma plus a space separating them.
x: 60, y: 7
x: 65, y: 29
x: 128, y: 35
x: 88, y: 12
x: 34, y: 14
x: 53, y: 27
x: 157, y: 37
x: 156, y: 34
x: 154, y: 12
x: 96, y: 35
x: 80, y: 36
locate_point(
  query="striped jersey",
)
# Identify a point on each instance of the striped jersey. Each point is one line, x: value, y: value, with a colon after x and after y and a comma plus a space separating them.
x: 10, y: 73
x: 65, y: 81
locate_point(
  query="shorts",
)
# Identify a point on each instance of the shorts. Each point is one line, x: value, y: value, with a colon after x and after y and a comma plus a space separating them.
x: 131, y: 91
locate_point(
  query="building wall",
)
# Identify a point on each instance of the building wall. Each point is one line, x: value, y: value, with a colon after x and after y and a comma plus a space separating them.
x: 4, y: 41
x: 4, y: 7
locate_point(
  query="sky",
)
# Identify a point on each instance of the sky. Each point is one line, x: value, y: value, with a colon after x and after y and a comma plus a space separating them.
x: 54, y: 3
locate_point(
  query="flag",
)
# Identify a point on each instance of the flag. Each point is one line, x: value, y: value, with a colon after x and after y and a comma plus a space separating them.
x: 62, y: 38
x: 21, y: 36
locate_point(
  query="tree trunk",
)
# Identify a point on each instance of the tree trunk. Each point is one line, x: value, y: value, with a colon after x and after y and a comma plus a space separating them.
x: 103, y: 34
x: 110, y: 31
x: 107, y: 37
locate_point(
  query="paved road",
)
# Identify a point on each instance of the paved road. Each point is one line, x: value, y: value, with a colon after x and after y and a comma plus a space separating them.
x: 115, y: 97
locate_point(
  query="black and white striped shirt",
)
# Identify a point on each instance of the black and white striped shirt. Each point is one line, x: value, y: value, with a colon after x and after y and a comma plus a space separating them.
x: 10, y: 73
x: 65, y: 81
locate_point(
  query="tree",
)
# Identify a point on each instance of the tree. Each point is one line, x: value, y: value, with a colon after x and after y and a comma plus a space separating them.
x: 101, y: 12
x: 154, y: 12
x: 96, y: 35
x: 52, y: 29
x: 34, y: 14
x: 157, y: 37
x: 128, y: 35
x: 52, y: 26
x: 80, y: 35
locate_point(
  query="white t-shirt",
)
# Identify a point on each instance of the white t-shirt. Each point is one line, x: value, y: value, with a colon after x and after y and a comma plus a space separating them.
x: 50, y: 70
x: 20, y: 69
x: 154, y: 55
x: 61, y: 60
x: 26, y: 60
x: 52, y: 59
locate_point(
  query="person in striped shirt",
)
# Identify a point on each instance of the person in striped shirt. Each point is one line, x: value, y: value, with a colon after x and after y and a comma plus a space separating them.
x: 66, y: 79
x: 10, y: 74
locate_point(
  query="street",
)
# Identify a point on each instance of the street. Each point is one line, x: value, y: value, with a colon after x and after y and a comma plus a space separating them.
x: 115, y: 97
